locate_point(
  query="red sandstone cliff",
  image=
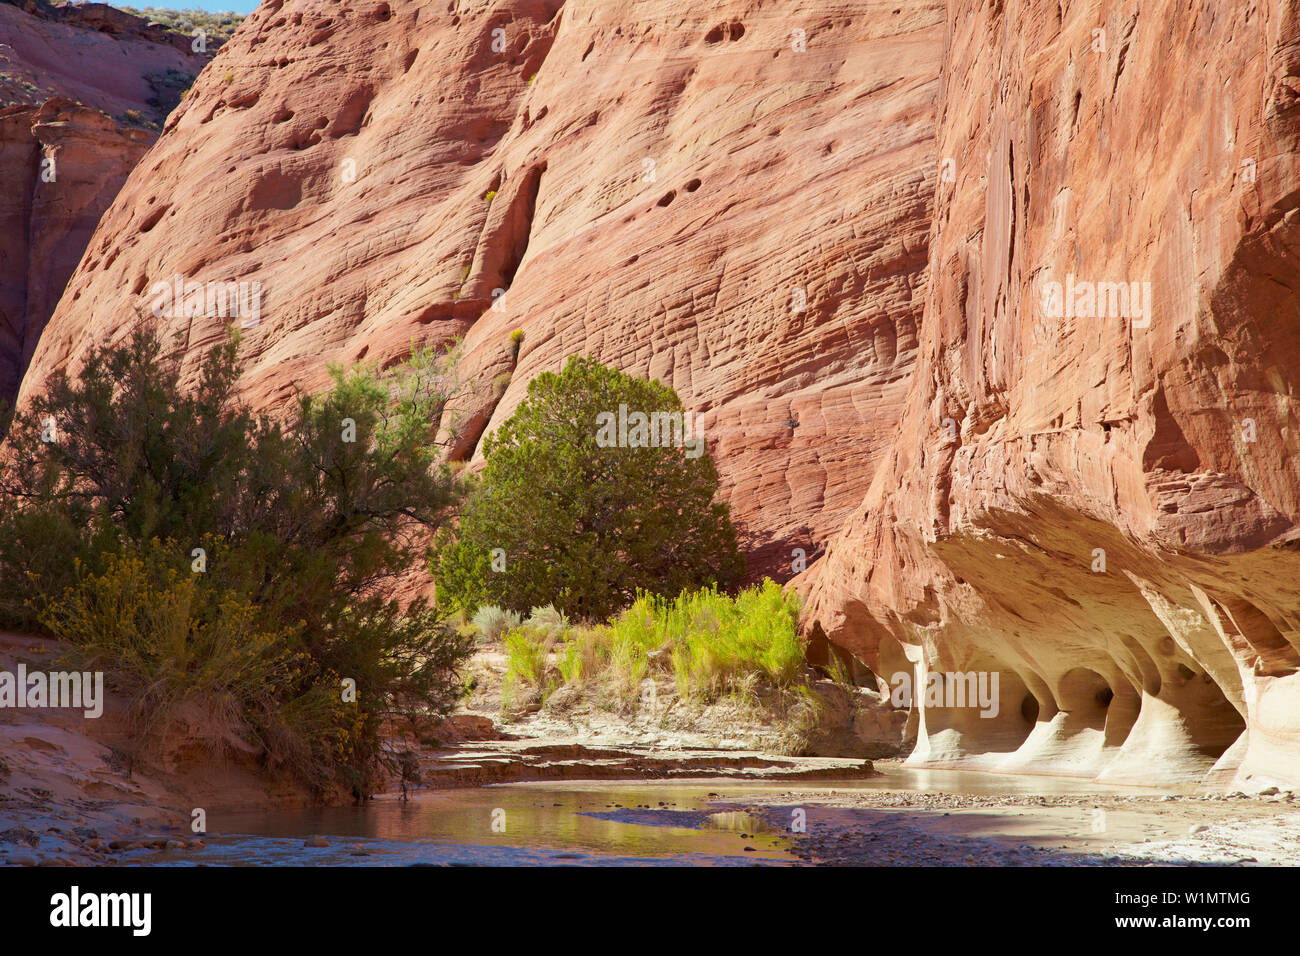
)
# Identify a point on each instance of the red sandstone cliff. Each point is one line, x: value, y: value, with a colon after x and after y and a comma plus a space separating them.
x: 919, y: 174
x: 81, y: 91
x: 1032, y: 444
x: 345, y: 166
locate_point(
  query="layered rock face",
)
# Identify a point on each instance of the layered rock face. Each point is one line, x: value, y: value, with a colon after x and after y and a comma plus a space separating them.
x: 734, y: 199
x: 1099, y: 509
x: 63, y: 164
x: 91, y: 53
x: 63, y: 73
x: 878, y: 248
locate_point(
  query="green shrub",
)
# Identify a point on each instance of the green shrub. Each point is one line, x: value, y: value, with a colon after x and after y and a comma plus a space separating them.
x: 181, y: 649
x: 493, y: 622
x: 527, y: 651
x: 304, y: 530
x: 712, y: 645
x: 718, y: 643
x: 548, y: 619
x: 582, y: 524
x: 219, y: 26
x: 573, y: 662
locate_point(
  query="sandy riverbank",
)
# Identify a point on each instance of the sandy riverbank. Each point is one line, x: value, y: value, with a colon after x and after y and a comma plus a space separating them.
x: 68, y: 796
x: 71, y: 794
x: 904, y: 828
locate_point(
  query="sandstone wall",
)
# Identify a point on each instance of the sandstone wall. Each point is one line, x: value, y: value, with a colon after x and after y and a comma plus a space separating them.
x: 345, y: 166
x: 1164, y: 150
x: 68, y: 78
x: 45, y: 225
x: 920, y: 172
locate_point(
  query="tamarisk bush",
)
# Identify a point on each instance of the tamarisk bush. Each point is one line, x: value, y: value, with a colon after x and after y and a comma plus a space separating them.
x: 142, y: 518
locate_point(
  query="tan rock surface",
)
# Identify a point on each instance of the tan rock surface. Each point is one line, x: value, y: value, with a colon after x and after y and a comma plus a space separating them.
x: 774, y: 170
x: 382, y: 169
x: 976, y: 546
x: 92, y: 53
x: 68, y: 780
x: 63, y: 73
x: 46, y: 225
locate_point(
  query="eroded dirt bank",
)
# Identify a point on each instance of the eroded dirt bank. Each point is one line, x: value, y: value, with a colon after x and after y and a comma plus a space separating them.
x: 71, y: 792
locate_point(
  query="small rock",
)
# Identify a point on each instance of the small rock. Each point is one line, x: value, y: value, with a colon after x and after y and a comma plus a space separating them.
x: 317, y: 842
x: 20, y: 834
x: 1198, y: 828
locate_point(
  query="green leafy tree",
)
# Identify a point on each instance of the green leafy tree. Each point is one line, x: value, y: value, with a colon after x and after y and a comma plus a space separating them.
x: 560, y: 516
x: 308, y: 528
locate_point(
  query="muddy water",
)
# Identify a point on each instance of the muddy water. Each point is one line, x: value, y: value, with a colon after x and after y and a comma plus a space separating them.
x: 572, y: 822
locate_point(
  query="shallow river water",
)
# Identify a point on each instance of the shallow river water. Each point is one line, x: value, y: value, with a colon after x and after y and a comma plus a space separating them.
x: 661, y: 823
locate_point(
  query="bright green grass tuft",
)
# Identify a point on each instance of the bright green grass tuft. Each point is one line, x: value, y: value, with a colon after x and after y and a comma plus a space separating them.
x: 713, y: 645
